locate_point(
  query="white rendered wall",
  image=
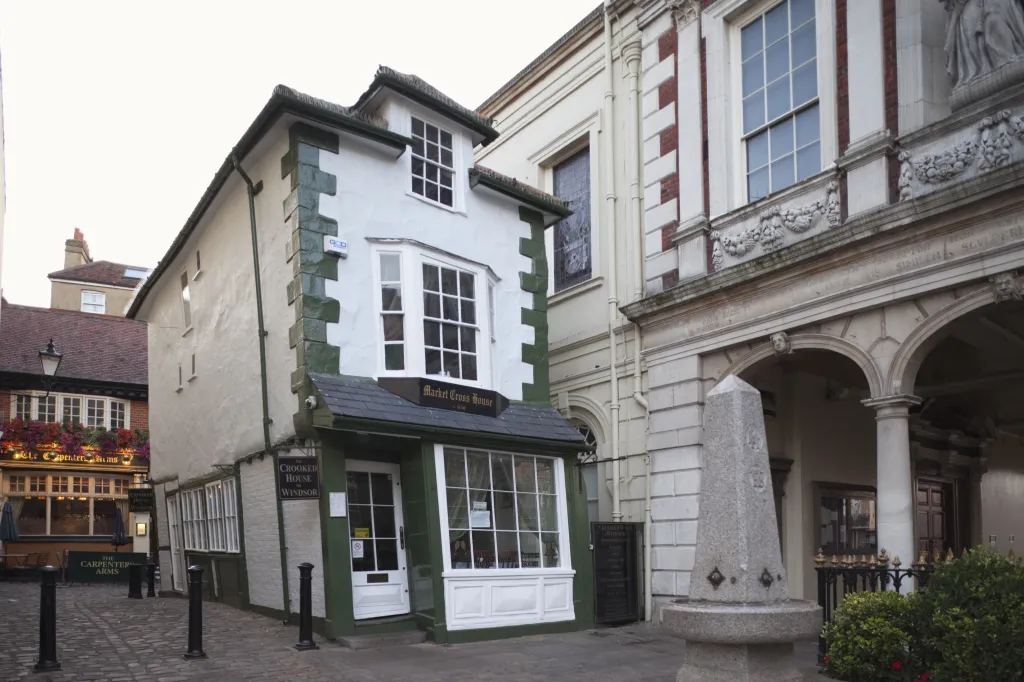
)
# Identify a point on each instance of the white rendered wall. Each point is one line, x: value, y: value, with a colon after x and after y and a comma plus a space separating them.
x: 262, y: 547
x: 215, y: 418
x: 373, y: 200
x: 303, y: 543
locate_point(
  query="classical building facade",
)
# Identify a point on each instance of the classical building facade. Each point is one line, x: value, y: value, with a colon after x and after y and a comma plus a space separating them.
x: 830, y: 198
x: 354, y: 374
x: 92, y: 286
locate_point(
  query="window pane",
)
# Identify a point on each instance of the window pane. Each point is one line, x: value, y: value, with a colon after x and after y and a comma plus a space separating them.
x: 431, y: 191
x: 751, y: 38
x: 446, y: 196
x: 446, y: 159
x: 32, y: 518
x: 433, y: 360
x: 572, y: 254
x: 469, y: 367
x: 777, y: 60
x: 450, y: 364
x: 459, y: 547
x: 548, y: 513
x: 432, y: 133
x: 501, y: 471
x: 69, y: 517
x: 758, y: 184
x: 529, y: 550
x: 776, y: 23
x: 753, y: 74
x: 467, y: 339
x: 800, y: 11
x: 504, y: 511
x: 549, y: 542
x: 782, y: 173
x: 450, y: 304
x: 446, y: 139
x: 804, y: 46
x: 390, y: 267
x: 394, y: 327
x: 479, y: 470
x: 469, y: 312
x: 417, y: 127
x: 431, y: 305
x: 807, y: 130
x: 546, y: 476
x: 508, y: 550
x: 394, y: 356
x: 757, y: 151
x: 417, y: 186
x: 805, y: 83
x: 753, y: 111
x: 358, y: 487
x: 360, y: 520
x: 367, y: 563
x: 778, y: 98
x: 525, y: 476
x: 454, y: 467
x: 382, y: 489
x: 450, y: 336
x: 458, y: 511
x: 431, y: 278
x: 480, y: 509
x: 384, y: 522
x: 781, y: 139
x: 104, y: 517
x: 483, y: 549
x: 808, y: 162
x: 449, y: 282
x: 433, y: 153
x: 526, y: 511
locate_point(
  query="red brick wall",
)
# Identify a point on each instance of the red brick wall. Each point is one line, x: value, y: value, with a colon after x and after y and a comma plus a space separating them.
x: 140, y: 414
x: 668, y: 95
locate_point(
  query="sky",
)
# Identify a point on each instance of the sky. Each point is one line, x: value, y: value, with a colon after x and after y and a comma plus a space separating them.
x: 117, y: 114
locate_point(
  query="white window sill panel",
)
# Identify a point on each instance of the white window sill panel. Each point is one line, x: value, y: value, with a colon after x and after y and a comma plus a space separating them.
x: 528, y: 597
x: 575, y: 290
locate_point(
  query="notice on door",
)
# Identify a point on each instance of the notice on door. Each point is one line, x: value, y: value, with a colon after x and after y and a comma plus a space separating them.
x: 298, y: 478
x: 358, y: 549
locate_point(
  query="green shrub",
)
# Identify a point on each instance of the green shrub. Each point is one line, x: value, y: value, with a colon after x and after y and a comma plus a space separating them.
x: 871, y: 639
x: 970, y: 619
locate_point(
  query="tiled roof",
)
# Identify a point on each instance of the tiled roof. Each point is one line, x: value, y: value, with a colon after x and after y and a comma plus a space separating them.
x: 502, y: 182
x: 416, y: 88
x: 362, y: 398
x: 99, y: 272
x: 95, y: 347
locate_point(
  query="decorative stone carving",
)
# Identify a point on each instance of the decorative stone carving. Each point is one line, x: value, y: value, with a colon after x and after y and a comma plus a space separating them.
x: 781, y: 343
x: 684, y: 11
x: 984, y: 46
x: 769, y: 232
x: 994, y: 144
x: 1008, y: 287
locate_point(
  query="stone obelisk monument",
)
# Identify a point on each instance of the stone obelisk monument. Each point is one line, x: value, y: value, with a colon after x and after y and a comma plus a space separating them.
x: 739, y: 623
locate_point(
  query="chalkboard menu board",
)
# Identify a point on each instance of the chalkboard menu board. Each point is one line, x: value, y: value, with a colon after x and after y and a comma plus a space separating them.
x: 616, y: 567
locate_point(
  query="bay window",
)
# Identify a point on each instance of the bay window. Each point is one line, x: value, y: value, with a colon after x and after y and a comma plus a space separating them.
x: 503, y: 511
x: 432, y: 316
x: 210, y: 517
x: 58, y: 504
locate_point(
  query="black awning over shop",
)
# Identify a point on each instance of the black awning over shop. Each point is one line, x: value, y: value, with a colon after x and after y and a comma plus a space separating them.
x: 357, y: 403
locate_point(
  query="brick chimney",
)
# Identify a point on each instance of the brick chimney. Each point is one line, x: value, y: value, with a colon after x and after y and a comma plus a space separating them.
x: 76, y: 250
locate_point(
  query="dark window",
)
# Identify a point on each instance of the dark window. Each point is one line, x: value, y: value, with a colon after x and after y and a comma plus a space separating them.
x: 572, y: 235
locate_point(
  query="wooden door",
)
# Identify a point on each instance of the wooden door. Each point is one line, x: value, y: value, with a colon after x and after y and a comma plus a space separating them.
x: 934, y: 504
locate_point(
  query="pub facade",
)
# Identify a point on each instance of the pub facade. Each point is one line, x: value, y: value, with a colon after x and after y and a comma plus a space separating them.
x: 349, y: 368
x: 75, y: 441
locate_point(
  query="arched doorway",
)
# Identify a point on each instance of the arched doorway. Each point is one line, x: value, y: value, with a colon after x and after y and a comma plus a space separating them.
x: 588, y: 468
x: 967, y: 434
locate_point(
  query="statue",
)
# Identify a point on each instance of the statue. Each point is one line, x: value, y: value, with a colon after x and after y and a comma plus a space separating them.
x: 983, y: 35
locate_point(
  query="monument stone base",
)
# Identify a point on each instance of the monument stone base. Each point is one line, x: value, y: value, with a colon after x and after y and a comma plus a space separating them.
x: 705, y: 662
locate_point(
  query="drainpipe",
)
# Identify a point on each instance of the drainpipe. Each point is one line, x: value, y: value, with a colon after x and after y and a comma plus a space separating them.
x: 632, y: 54
x: 253, y: 190
x: 608, y: 163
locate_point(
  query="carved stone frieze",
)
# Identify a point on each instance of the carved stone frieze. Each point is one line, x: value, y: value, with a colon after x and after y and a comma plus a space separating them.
x: 996, y: 141
x: 769, y: 232
x: 1008, y: 286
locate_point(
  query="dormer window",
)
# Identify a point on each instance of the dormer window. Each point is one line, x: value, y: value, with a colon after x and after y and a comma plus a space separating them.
x: 433, y: 163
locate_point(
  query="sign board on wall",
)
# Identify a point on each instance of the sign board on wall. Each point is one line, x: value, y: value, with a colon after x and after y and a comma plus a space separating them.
x: 91, y: 567
x: 446, y: 396
x: 298, y: 478
x: 140, y: 500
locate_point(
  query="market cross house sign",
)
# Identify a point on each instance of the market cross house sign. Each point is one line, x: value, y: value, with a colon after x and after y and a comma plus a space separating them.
x: 445, y: 396
x: 298, y: 478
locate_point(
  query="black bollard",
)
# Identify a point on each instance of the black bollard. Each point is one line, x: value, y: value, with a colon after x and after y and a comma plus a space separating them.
x: 195, y: 613
x: 135, y: 581
x: 306, y: 608
x: 48, y: 622
x: 151, y: 579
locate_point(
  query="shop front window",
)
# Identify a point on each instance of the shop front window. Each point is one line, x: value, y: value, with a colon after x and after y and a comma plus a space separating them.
x: 104, y: 516
x: 846, y: 521
x: 66, y: 505
x: 503, y: 511
x: 69, y: 516
x: 32, y: 519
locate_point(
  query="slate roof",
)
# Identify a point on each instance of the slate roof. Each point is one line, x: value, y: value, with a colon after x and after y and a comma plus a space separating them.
x: 417, y: 89
x: 95, y: 347
x: 99, y: 272
x: 362, y: 398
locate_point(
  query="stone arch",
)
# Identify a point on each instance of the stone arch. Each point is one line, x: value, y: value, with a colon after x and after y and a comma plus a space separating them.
x: 590, y: 413
x: 811, y: 341
x: 923, y: 339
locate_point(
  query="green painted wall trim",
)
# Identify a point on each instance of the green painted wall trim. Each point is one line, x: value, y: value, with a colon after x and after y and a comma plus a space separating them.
x: 334, y: 542
x: 243, y: 572
x: 535, y: 283
x: 311, y: 267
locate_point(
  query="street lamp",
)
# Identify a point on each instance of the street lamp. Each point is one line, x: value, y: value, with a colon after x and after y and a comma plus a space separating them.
x: 50, y: 359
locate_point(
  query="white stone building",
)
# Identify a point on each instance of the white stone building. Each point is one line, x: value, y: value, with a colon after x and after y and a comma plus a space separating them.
x: 822, y: 196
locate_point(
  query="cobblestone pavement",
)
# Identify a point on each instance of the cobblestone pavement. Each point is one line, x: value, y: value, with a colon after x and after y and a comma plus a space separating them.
x: 104, y: 636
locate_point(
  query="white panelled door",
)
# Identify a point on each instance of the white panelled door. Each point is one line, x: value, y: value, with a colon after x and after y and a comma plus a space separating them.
x: 380, y: 581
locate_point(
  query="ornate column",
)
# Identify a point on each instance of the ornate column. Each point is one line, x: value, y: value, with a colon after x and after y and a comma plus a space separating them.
x: 894, y: 502
x: 974, y: 493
